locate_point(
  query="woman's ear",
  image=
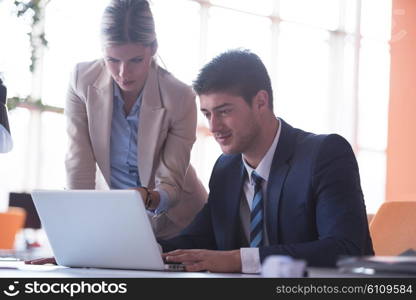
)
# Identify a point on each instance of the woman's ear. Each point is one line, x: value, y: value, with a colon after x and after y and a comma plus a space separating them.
x: 153, y: 47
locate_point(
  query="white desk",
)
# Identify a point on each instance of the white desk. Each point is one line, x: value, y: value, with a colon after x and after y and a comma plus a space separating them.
x: 20, y: 270
x: 17, y: 269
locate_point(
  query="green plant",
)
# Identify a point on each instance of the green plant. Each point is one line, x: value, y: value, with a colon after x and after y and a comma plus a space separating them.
x: 32, y: 104
x: 33, y: 8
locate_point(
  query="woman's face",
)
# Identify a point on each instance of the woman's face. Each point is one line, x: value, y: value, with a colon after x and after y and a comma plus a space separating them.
x: 129, y: 65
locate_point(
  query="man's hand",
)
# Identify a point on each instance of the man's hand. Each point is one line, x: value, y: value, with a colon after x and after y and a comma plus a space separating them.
x: 41, y: 261
x: 206, y: 260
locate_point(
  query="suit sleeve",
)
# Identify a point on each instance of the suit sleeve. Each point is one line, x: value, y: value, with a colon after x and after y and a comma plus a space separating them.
x: 339, y: 208
x: 175, y: 154
x: 79, y: 162
x: 197, y: 235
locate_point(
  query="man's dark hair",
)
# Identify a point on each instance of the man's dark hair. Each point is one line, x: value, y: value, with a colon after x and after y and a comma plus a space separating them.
x: 238, y: 72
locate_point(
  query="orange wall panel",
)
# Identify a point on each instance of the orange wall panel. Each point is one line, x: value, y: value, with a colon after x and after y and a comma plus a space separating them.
x: 401, y: 149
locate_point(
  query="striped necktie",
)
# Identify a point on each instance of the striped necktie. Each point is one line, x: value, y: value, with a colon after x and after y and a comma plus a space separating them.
x: 256, y: 217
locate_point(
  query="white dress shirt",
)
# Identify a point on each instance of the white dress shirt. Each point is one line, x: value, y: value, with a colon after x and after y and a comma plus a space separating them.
x: 250, y: 257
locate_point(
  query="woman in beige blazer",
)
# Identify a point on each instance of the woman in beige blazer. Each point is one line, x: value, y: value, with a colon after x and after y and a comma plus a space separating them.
x: 130, y: 121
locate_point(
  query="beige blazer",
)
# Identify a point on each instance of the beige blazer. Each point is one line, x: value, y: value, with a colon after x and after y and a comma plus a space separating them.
x: 167, y: 126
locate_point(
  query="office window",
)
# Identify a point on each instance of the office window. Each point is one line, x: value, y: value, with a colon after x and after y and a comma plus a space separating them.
x: 14, y: 51
x: 264, y: 8
x: 301, y: 88
x: 229, y: 29
x: 373, y: 98
x: 178, y: 33
x: 52, y: 170
x: 328, y: 60
x: 72, y: 32
x: 317, y: 13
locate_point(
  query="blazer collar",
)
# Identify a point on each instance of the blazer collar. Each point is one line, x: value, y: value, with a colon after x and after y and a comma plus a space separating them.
x: 100, y: 108
x: 151, y: 118
x: 104, y: 80
x: 286, y: 145
x: 151, y: 90
x: 278, y: 172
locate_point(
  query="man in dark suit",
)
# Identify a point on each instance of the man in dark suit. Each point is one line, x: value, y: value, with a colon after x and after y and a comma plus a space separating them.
x: 276, y: 189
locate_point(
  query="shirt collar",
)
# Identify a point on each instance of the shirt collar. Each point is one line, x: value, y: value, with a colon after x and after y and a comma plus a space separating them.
x: 263, y: 169
x: 117, y: 96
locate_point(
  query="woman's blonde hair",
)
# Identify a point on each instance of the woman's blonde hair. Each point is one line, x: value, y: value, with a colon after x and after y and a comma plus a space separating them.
x: 128, y: 21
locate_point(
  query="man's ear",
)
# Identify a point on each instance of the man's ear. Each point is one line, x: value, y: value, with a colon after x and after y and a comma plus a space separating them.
x: 261, y: 100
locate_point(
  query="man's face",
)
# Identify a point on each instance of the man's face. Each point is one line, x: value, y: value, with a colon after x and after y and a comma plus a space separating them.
x: 232, y: 121
x: 129, y: 65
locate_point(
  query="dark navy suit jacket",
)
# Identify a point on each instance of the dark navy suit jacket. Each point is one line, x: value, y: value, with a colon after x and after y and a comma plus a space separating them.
x: 315, y: 207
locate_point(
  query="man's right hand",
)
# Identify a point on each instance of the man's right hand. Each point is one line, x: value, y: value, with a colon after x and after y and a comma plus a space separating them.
x: 41, y: 261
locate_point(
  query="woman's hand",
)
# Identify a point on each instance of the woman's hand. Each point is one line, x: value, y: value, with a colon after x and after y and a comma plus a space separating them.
x: 154, y: 197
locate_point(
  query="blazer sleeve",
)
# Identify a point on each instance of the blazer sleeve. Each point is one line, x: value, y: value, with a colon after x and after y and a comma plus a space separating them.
x: 176, y: 151
x: 198, y: 235
x: 340, y: 213
x: 79, y: 161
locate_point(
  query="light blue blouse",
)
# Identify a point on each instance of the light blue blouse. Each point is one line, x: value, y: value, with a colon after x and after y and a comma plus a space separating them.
x: 123, y: 147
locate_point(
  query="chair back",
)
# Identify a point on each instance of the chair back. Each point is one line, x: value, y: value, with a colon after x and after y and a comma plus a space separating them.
x: 393, y: 228
x: 11, y: 222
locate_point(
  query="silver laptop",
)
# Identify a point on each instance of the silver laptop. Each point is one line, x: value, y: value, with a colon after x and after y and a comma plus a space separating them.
x: 99, y: 229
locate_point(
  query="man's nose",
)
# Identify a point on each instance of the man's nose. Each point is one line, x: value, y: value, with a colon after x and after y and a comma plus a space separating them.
x: 215, y: 124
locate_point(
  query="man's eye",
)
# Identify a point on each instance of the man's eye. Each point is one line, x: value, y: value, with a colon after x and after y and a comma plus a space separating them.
x: 137, y: 60
x: 225, y: 112
x: 112, y: 60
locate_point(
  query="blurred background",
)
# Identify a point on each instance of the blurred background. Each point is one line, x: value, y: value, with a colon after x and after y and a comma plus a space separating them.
x: 337, y: 66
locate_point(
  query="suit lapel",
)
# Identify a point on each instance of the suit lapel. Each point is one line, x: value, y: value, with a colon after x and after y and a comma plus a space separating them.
x: 100, y: 108
x: 233, y: 198
x: 150, y: 124
x: 278, y: 173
